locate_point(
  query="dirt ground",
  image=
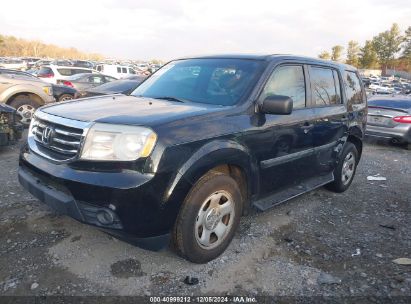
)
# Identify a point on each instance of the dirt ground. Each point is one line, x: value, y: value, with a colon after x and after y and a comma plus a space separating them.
x: 320, y: 243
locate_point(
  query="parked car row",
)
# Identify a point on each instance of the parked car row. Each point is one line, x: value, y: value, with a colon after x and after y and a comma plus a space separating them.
x: 386, y: 85
x: 26, y: 92
x: 32, y: 64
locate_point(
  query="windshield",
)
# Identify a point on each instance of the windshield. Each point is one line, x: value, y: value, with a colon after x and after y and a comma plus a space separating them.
x: 212, y: 81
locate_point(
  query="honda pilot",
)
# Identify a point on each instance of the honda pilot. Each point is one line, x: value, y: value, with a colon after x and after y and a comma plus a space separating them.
x: 198, y: 144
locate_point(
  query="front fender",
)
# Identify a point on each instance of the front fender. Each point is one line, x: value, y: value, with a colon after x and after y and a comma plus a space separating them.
x: 211, y: 155
x: 20, y: 89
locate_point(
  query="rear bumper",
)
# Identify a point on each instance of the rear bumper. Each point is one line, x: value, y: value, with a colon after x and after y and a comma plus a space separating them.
x: 401, y: 133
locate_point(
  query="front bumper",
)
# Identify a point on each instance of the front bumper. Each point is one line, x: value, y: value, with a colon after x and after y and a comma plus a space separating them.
x: 401, y: 133
x: 65, y: 204
x: 135, y: 200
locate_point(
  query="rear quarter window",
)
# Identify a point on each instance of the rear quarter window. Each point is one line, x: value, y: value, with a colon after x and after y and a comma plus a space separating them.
x: 353, y: 88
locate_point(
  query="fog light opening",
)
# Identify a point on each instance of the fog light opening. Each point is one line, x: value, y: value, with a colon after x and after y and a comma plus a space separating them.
x: 105, y: 217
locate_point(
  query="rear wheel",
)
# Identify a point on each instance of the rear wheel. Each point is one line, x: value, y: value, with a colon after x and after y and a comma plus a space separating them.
x: 65, y: 97
x: 345, y: 170
x: 25, y: 108
x: 208, y: 218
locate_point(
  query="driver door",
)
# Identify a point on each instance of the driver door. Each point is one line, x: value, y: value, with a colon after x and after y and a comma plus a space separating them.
x: 286, y: 144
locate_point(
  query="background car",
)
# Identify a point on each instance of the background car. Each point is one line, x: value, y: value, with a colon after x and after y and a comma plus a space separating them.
x: 121, y: 86
x: 16, y: 64
x: 85, y: 81
x: 40, y: 63
x: 116, y: 71
x: 51, y: 73
x: 63, y: 93
x: 61, y: 62
x: 82, y: 64
x: 16, y: 72
x: 389, y: 117
x: 25, y: 93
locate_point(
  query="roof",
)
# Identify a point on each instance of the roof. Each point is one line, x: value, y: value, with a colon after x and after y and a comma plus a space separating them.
x: 272, y: 57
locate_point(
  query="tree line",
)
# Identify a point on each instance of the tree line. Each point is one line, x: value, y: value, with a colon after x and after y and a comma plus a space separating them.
x: 388, y: 49
x: 11, y: 46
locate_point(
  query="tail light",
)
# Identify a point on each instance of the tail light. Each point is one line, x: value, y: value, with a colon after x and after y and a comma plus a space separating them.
x: 68, y: 83
x: 402, y: 119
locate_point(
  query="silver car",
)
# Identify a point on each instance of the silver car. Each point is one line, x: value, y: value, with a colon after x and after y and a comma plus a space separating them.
x: 389, y: 117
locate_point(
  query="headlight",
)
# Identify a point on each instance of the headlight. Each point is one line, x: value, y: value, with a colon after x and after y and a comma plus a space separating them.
x: 118, y: 142
x: 48, y: 90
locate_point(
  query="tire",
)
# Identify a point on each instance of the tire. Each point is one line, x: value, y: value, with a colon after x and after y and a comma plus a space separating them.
x: 65, y: 97
x: 341, y: 183
x: 202, y: 209
x: 25, y: 108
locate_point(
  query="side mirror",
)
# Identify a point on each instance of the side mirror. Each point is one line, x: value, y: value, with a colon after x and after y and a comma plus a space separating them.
x: 277, y: 104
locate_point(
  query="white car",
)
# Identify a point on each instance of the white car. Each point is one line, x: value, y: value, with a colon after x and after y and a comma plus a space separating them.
x: 52, y: 73
x: 14, y: 64
x: 381, y: 89
x: 116, y: 71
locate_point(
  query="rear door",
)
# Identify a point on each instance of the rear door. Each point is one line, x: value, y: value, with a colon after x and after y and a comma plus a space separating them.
x: 331, y: 120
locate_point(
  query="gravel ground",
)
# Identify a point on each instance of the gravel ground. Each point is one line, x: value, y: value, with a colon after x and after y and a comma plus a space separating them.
x: 321, y: 243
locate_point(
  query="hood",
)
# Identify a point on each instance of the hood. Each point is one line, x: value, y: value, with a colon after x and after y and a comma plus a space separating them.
x: 129, y: 110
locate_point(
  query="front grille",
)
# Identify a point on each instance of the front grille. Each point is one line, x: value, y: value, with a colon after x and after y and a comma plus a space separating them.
x: 54, y: 140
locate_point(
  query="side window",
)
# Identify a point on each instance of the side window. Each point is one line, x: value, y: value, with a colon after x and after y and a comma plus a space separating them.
x: 289, y: 81
x: 323, y: 87
x: 80, y: 71
x: 118, y: 70
x: 65, y: 72
x: 124, y: 70
x: 95, y: 79
x: 353, y: 88
x: 131, y: 71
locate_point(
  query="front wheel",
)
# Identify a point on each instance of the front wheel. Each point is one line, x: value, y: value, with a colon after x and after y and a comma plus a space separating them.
x: 25, y: 108
x: 65, y: 97
x: 345, y: 170
x: 208, y: 218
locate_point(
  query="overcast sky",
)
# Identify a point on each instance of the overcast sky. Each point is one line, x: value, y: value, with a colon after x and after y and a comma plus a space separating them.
x: 165, y: 29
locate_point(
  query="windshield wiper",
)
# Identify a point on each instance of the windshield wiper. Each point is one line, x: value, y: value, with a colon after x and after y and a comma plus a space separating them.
x: 171, y: 98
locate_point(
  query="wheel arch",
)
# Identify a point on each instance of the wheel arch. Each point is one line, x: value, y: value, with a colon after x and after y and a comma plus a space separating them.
x: 228, y: 157
x: 29, y: 95
x: 355, y: 136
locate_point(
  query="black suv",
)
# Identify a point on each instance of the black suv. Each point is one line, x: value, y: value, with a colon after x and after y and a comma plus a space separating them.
x: 196, y: 145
